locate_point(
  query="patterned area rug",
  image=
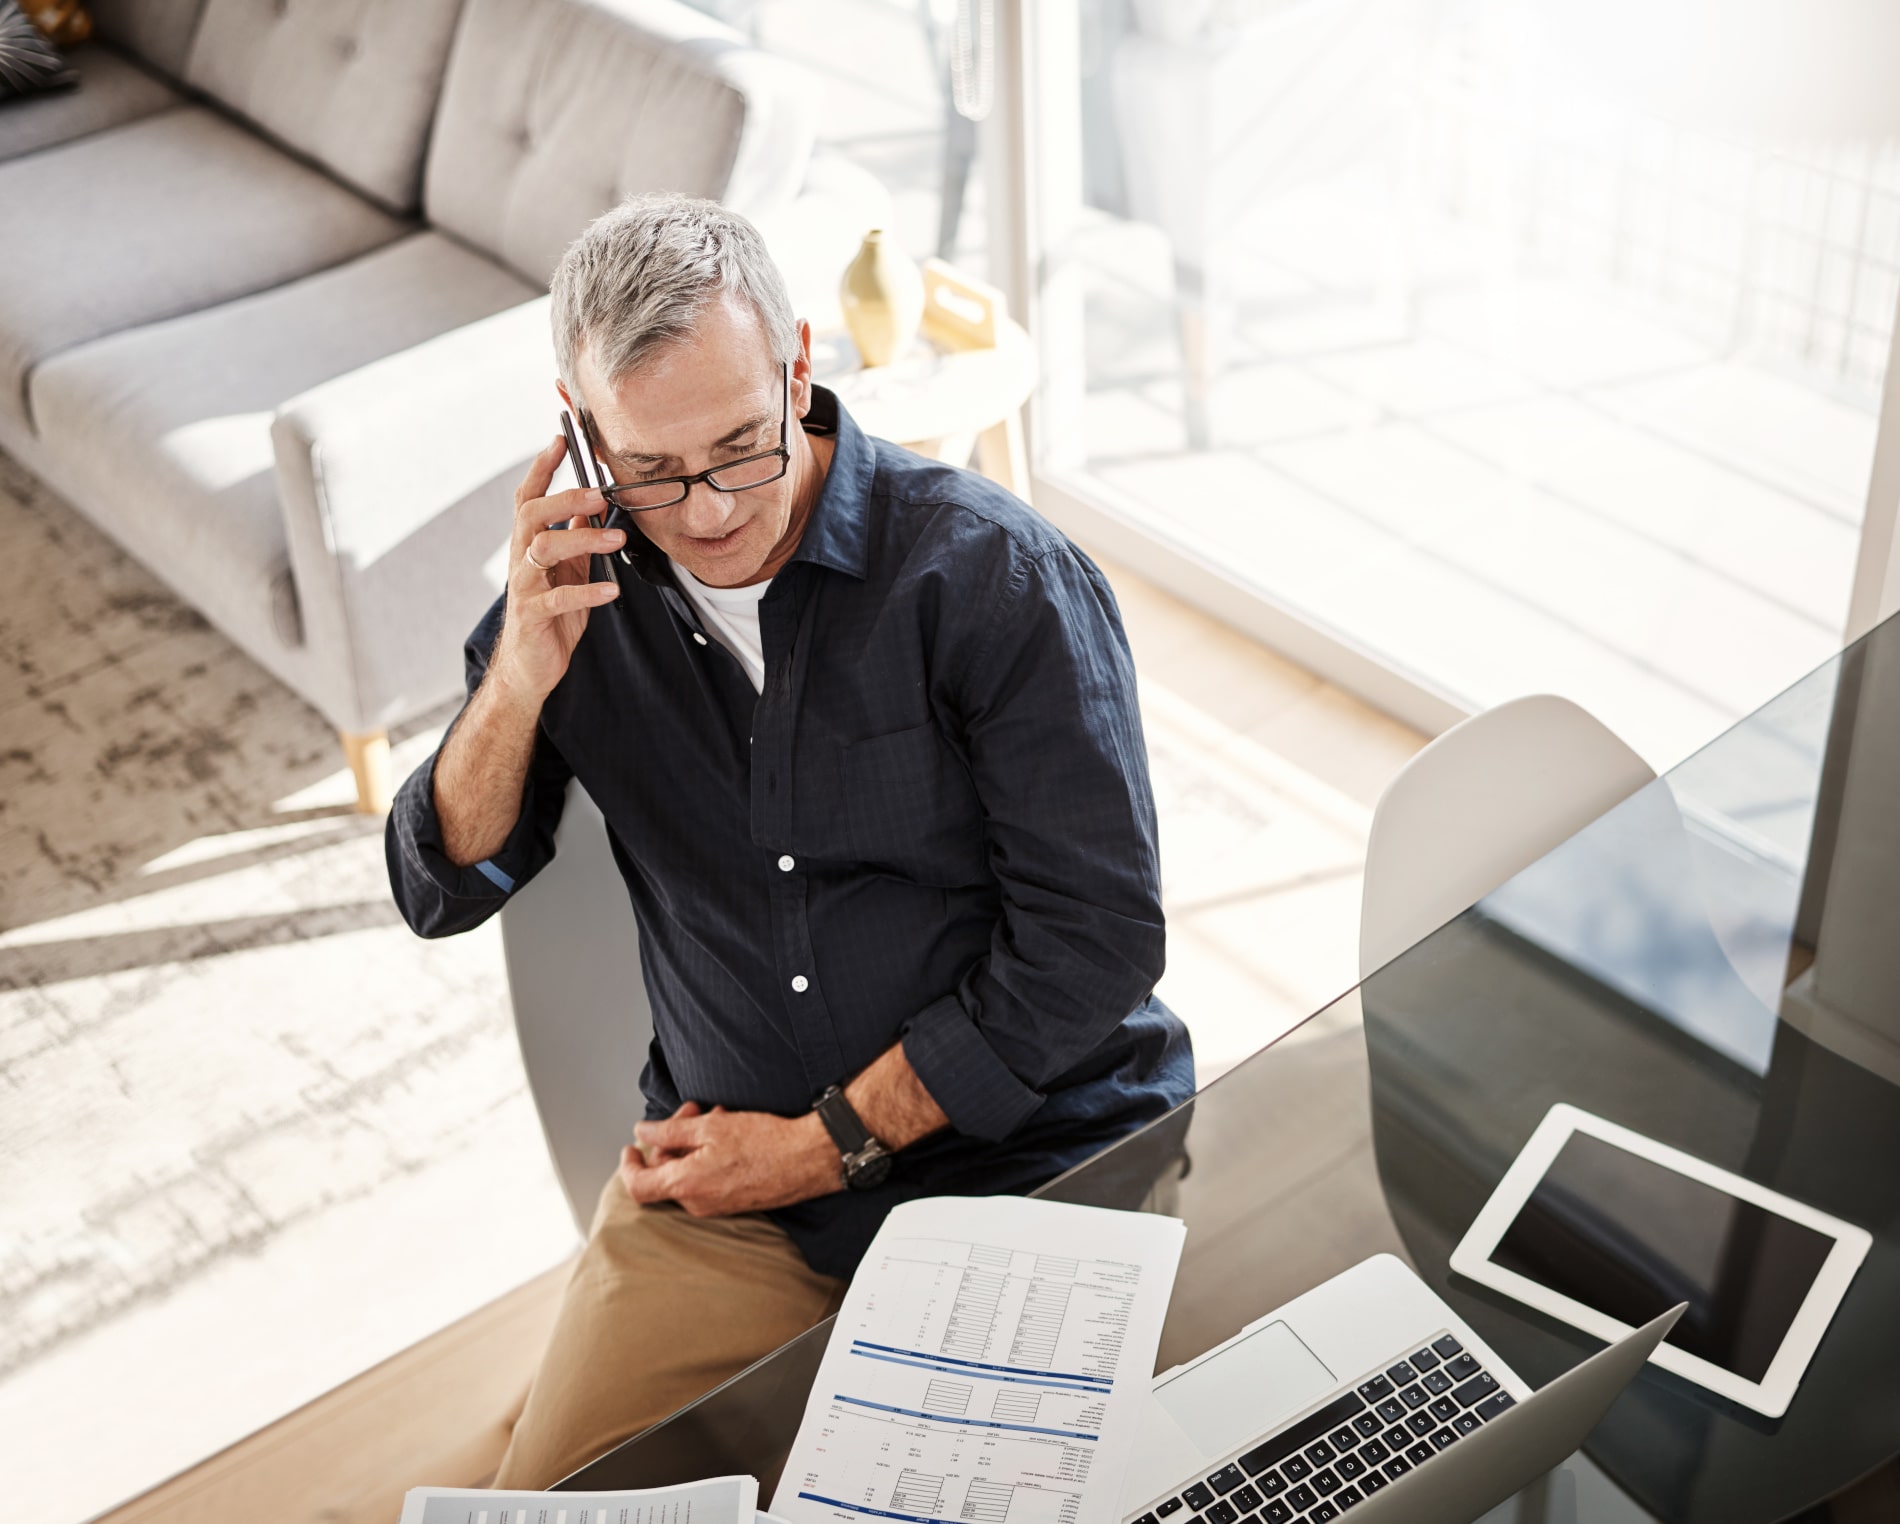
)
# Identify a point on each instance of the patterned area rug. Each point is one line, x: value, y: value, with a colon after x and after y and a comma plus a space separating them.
x: 251, y: 1129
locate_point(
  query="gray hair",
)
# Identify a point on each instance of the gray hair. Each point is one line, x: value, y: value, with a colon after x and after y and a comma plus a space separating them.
x: 641, y: 275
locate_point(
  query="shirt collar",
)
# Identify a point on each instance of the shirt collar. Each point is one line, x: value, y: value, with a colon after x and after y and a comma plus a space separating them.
x: 837, y: 531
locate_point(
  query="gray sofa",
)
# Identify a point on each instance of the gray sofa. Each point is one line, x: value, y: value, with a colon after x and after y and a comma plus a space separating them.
x: 273, y: 308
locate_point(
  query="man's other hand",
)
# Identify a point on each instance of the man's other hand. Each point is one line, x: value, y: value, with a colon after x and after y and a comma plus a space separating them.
x: 721, y: 1162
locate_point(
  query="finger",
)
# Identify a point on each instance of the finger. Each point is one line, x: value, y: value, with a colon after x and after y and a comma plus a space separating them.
x: 553, y: 546
x: 656, y: 1182
x: 676, y: 1132
x: 534, y: 514
x: 537, y: 602
x: 541, y: 470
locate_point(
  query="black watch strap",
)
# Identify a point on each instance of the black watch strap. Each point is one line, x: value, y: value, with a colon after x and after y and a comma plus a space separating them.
x: 841, y: 1121
x: 863, y: 1161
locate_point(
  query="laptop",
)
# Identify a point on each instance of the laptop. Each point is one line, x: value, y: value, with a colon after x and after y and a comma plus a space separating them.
x: 1370, y: 1396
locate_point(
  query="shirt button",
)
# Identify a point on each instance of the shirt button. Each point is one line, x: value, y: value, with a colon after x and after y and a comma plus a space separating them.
x: 699, y: 637
x: 785, y: 865
x: 800, y: 983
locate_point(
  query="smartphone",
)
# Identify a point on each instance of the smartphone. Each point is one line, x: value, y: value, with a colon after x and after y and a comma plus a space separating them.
x: 579, y: 460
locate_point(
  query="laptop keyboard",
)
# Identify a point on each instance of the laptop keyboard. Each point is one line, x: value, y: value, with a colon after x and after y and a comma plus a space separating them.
x: 1360, y: 1443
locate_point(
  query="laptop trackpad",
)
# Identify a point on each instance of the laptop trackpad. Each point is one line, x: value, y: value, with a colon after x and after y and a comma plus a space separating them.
x: 1245, y: 1390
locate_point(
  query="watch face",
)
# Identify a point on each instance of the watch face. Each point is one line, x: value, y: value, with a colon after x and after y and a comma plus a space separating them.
x: 860, y: 1174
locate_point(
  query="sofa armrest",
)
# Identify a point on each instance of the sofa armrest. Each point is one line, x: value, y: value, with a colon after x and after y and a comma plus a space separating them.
x: 397, y: 482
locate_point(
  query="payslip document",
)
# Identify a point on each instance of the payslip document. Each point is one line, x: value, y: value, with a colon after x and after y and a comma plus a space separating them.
x: 988, y: 1367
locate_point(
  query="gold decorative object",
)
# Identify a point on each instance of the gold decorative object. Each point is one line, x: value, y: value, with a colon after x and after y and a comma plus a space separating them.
x: 64, y: 23
x: 882, y: 295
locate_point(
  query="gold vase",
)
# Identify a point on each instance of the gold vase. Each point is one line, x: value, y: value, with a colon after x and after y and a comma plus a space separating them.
x: 882, y: 295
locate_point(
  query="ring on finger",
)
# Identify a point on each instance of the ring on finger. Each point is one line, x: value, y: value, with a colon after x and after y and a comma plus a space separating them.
x: 529, y: 555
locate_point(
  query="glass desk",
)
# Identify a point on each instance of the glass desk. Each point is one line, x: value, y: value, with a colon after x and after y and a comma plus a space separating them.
x: 1714, y: 963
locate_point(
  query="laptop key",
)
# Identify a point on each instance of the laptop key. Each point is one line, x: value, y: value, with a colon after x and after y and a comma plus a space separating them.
x: 1226, y: 1479
x: 1464, y: 1423
x: 1222, y: 1512
x: 1350, y: 1467
x: 1401, y: 1374
x: 1374, y: 1481
x: 1421, y: 1424
x: 1444, y: 1410
x: 1302, y: 1497
x: 1367, y: 1424
x: 1425, y: 1359
x: 1173, y: 1505
x: 1492, y: 1406
x: 1461, y: 1369
x: 1147, y: 1518
x: 1246, y: 1500
x: 1342, y: 1440
x: 1414, y: 1397
x: 1435, y: 1382
x: 1346, y: 1497
x: 1296, y: 1469
x: 1391, y: 1410
x: 1396, y: 1439
x: 1276, y: 1513
x: 1271, y: 1483
x: 1376, y: 1388
x: 1444, y: 1439
x: 1420, y: 1453
x: 1198, y: 1496
x: 1396, y: 1468
x: 1320, y: 1453
x: 1373, y: 1452
x: 1325, y: 1482
x: 1447, y: 1346
x: 1324, y: 1514
x: 1476, y: 1389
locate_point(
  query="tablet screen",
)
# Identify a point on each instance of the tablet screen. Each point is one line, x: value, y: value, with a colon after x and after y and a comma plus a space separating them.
x: 1632, y: 1238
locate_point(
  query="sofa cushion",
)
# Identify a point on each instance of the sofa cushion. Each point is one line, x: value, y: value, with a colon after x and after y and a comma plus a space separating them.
x: 163, y: 216
x: 112, y: 90
x: 554, y: 110
x: 351, y: 83
x: 165, y: 431
x: 157, y: 31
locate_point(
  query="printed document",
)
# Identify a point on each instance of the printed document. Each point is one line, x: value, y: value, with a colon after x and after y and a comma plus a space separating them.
x: 722, y: 1500
x: 988, y: 1367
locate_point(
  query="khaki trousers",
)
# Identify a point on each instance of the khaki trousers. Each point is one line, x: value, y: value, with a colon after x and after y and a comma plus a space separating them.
x: 662, y: 1307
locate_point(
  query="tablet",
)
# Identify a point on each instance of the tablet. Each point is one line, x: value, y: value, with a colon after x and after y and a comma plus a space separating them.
x: 1604, y: 1229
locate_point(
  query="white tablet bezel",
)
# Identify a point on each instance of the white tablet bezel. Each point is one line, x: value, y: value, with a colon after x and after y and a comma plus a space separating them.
x: 1772, y: 1394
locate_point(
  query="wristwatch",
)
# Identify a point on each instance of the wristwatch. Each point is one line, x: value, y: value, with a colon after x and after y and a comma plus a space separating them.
x: 866, y: 1162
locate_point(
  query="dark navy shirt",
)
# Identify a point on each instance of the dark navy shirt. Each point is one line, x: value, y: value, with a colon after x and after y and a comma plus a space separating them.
x: 948, y: 755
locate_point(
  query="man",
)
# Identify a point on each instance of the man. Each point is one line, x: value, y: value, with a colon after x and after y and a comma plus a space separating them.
x: 864, y: 732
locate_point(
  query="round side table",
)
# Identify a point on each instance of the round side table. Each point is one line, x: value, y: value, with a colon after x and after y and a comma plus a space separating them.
x: 960, y: 386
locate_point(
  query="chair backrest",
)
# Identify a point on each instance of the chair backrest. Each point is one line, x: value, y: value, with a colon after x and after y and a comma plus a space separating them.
x: 1486, y: 799
x: 581, y: 1012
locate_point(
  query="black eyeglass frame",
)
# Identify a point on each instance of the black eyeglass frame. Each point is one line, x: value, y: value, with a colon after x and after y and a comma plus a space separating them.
x: 685, y: 483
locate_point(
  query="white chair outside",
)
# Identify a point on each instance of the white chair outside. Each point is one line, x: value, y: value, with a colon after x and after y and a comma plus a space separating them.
x: 581, y: 1010
x: 1486, y: 799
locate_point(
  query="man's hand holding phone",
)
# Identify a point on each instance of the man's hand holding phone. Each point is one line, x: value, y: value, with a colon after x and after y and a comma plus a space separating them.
x: 549, y: 591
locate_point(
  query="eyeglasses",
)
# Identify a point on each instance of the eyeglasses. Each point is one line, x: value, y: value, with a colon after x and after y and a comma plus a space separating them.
x: 734, y: 476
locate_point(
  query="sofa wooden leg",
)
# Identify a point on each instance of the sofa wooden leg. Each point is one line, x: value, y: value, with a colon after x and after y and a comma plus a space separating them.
x: 368, y: 754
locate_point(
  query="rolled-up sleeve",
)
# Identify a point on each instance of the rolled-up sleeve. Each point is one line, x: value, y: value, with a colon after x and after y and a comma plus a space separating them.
x: 1055, y: 749
x: 438, y: 897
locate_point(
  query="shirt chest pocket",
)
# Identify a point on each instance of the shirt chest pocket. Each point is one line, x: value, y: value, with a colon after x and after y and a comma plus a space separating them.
x: 911, y: 809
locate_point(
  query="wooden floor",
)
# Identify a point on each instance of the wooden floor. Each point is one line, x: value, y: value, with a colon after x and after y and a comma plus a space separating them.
x: 438, y: 1413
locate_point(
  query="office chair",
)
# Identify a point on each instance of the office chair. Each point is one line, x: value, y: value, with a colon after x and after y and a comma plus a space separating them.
x: 581, y: 1011
x: 1486, y: 799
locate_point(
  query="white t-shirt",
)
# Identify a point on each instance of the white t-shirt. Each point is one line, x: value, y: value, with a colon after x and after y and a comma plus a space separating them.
x: 732, y: 614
